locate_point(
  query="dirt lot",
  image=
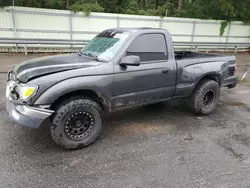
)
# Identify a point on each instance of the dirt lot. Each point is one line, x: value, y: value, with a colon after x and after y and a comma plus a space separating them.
x: 162, y: 145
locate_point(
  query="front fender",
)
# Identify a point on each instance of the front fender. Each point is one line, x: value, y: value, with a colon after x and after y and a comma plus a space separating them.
x: 100, y: 84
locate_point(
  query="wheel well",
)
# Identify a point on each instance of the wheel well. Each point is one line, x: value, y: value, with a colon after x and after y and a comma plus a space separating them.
x: 214, y: 77
x: 87, y: 93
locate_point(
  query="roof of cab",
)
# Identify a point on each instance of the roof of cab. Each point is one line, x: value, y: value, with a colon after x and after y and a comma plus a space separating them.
x: 134, y: 29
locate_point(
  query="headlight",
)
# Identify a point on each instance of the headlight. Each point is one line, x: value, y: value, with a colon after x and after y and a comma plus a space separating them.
x: 26, y: 92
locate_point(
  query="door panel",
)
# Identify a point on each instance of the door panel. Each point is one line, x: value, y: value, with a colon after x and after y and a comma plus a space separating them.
x: 143, y: 84
x: 153, y: 80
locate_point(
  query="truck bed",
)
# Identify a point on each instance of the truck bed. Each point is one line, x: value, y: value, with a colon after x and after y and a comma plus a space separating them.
x: 192, y: 66
x: 191, y: 55
x: 187, y: 58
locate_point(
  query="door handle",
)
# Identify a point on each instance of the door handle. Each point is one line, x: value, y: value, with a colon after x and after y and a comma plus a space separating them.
x: 166, y: 70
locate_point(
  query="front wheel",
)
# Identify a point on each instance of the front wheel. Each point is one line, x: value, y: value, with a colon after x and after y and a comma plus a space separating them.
x: 77, y: 123
x: 205, y: 97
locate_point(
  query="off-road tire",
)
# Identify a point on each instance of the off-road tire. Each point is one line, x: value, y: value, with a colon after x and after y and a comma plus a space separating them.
x: 68, y: 108
x: 196, y: 101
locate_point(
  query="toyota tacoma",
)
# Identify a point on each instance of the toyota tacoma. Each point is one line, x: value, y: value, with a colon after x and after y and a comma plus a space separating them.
x: 119, y: 68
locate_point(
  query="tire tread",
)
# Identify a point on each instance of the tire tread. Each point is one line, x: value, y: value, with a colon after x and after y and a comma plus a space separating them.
x: 64, y: 107
x: 194, y: 103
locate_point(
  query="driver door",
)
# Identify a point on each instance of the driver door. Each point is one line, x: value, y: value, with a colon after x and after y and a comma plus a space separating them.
x: 153, y: 80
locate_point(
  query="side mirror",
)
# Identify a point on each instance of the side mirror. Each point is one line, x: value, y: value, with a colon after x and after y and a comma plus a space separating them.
x: 130, y: 60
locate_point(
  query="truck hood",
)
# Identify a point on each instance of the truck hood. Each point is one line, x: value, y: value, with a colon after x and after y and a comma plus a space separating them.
x: 51, y: 64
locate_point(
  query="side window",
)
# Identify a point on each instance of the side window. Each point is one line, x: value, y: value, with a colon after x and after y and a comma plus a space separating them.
x: 149, y: 47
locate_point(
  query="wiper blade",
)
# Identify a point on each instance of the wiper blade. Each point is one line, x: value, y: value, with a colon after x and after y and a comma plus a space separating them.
x: 93, y: 55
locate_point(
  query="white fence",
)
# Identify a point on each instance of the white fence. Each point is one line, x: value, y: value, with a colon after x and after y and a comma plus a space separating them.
x: 33, y: 23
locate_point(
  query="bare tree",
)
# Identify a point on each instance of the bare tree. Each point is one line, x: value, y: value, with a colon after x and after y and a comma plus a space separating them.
x: 180, y: 4
x: 67, y: 4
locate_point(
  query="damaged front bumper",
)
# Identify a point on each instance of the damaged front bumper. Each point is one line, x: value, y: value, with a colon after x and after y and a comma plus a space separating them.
x: 27, y: 116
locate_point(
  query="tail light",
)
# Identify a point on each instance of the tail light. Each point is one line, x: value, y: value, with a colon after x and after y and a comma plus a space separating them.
x: 234, y: 69
x: 231, y: 71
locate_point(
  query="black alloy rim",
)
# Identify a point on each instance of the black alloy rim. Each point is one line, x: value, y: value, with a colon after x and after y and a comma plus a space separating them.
x: 208, y: 98
x: 79, y: 125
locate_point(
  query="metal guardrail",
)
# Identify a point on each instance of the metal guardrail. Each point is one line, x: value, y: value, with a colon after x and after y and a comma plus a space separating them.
x: 26, y: 41
x: 42, y: 41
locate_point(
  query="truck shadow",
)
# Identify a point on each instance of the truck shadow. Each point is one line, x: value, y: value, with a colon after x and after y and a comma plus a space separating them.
x: 149, y: 112
x: 167, y: 117
x: 161, y: 118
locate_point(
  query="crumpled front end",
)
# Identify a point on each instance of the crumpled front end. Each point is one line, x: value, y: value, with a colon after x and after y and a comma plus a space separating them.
x: 26, y: 115
x: 20, y: 112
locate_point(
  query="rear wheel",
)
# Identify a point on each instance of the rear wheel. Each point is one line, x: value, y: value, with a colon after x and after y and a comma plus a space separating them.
x: 77, y: 123
x: 205, y: 97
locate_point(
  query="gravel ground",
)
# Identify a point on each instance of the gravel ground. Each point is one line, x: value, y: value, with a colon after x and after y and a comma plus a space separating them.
x: 162, y: 145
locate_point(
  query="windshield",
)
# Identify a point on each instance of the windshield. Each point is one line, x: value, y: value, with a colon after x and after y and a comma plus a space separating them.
x: 105, y: 45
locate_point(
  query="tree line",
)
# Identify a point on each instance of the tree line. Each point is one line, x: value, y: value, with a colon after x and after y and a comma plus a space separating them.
x: 205, y: 9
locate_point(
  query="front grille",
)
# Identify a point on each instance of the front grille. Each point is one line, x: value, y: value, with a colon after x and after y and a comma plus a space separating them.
x: 14, y: 95
x: 11, y: 91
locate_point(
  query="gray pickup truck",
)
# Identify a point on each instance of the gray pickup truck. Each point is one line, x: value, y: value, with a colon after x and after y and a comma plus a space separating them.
x: 119, y: 68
